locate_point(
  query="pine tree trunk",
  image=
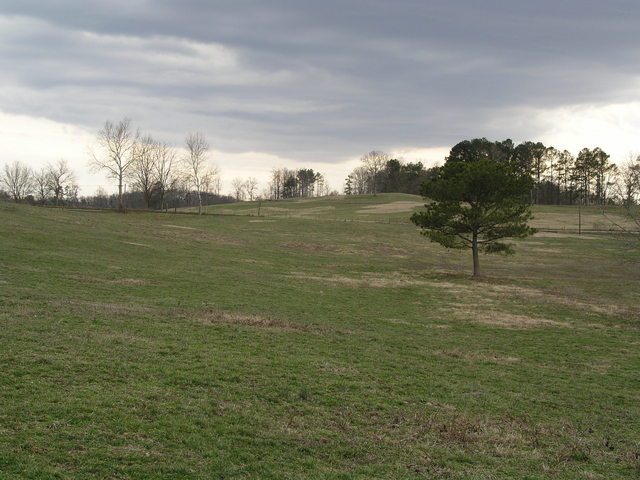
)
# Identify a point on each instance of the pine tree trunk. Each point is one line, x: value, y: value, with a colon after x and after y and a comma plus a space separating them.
x: 476, y: 259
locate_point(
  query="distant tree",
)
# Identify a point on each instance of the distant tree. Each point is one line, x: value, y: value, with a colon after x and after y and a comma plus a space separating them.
x: 18, y: 180
x: 60, y: 181
x: 251, y: 187
x: 348, y: 185
x: 361, y: 181
x: 116, y: 143
x: 143, y: 171
x: 629, y: 181
x: 374, y: 162
x: 481, y: 148
x: 322, y: 187
x: 305, y: 180
x: 164, y: 163
x: 199, y: 174
x: 237, y: 185
x: 474, y: 205
x: 41, y: 185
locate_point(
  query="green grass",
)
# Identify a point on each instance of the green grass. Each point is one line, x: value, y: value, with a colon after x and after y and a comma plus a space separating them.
x: 174, y: 346
x: 397, y: 208
x: 387, y: 207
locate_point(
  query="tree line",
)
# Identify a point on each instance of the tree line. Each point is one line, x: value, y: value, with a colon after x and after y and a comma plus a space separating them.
x: 379, y: 173
x: 559, y: 178
x: 150, y: 174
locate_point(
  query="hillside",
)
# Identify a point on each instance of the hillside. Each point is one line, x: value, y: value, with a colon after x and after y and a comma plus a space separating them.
x: 383, y: 207
x: 398, y: 207
x: 296, y: 346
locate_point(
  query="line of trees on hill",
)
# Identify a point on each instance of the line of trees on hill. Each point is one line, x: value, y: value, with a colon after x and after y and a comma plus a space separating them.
x: 300, y: 183
x: 560, y: 178
x: 379, y: 173
x: 55, y: 185
x: 151, y: 174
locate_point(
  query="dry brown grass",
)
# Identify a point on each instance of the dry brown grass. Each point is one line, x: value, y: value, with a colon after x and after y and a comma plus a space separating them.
x: 211, y: 316
x: 137, y: 244
x: 114, y: 281
x: 496, y: 318
x: 473, y: 356
x: 180, y: 227
x: 393, y: 207
x: 368, y: 280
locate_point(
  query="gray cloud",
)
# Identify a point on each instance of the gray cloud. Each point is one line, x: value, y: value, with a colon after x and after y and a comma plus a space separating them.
x: 316, y: 80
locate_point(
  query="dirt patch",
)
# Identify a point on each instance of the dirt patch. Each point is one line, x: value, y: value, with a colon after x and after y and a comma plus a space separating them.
x: 566, y: 235
x: 137, y: 244
x: 336, y: 369
x: 322, y: 248
x: 261, y: 221
x: 393, y: 207
x: 102, y: 308
x: 195, y: 235
x: 496, y: 318
x: 180, y: 226
x: 547, y: 250
x: 113, y: 281
x: 217, y: 316
x: 542, y: 296
x: 368, y: 280
x: 473, y: 356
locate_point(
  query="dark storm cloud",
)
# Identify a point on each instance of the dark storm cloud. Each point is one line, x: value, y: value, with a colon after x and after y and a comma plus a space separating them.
x: 297, y: 78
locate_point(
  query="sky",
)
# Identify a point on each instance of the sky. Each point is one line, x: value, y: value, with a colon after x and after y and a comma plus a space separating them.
x: 308, y: 84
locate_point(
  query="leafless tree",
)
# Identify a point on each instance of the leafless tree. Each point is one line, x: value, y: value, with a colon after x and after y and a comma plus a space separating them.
x: 41, y: 184
x: 60, y: 180
x: 627, y: 189
x: 629, y: 178
x: 18, y: 179
x: 115, y: 155
x: 251, y: 187
x: 164, y: 161
x: 361, y: 181
x: 143, y: 169
x: 322, y: 187
x: 237, y: 184
x: 199, y: 174
x: 374, y: 162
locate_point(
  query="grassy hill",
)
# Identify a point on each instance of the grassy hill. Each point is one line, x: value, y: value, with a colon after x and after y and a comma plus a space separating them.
x: 294, y: 346
x: 398, y: 207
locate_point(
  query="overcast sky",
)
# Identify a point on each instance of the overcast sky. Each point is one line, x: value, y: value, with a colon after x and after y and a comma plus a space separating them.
x: 317, y: 84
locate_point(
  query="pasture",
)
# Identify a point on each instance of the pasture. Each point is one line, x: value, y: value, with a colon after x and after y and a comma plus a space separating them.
x: 326, y: 339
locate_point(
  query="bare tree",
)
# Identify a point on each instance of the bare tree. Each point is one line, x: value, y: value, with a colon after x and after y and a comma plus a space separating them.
x: 360, y: 181
x: 237, y: 184
x: 18, y: 179
x: 143, y: 170
x: 41, y: 185
x: 251, y: 187
x: 116, y: 143
x: 374, y: 162
x: 629, y: 177
x: 322, y: 187
x: 60, y: 180
x: 164, y: 160
x: 199, y: 174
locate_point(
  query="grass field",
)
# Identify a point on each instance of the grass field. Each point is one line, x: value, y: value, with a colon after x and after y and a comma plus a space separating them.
x: 397, y: 208
x: 295, y: 346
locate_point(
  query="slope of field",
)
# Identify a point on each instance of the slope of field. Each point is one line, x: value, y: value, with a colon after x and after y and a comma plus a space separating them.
x: 398, y: 207
x: 174, y: 346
